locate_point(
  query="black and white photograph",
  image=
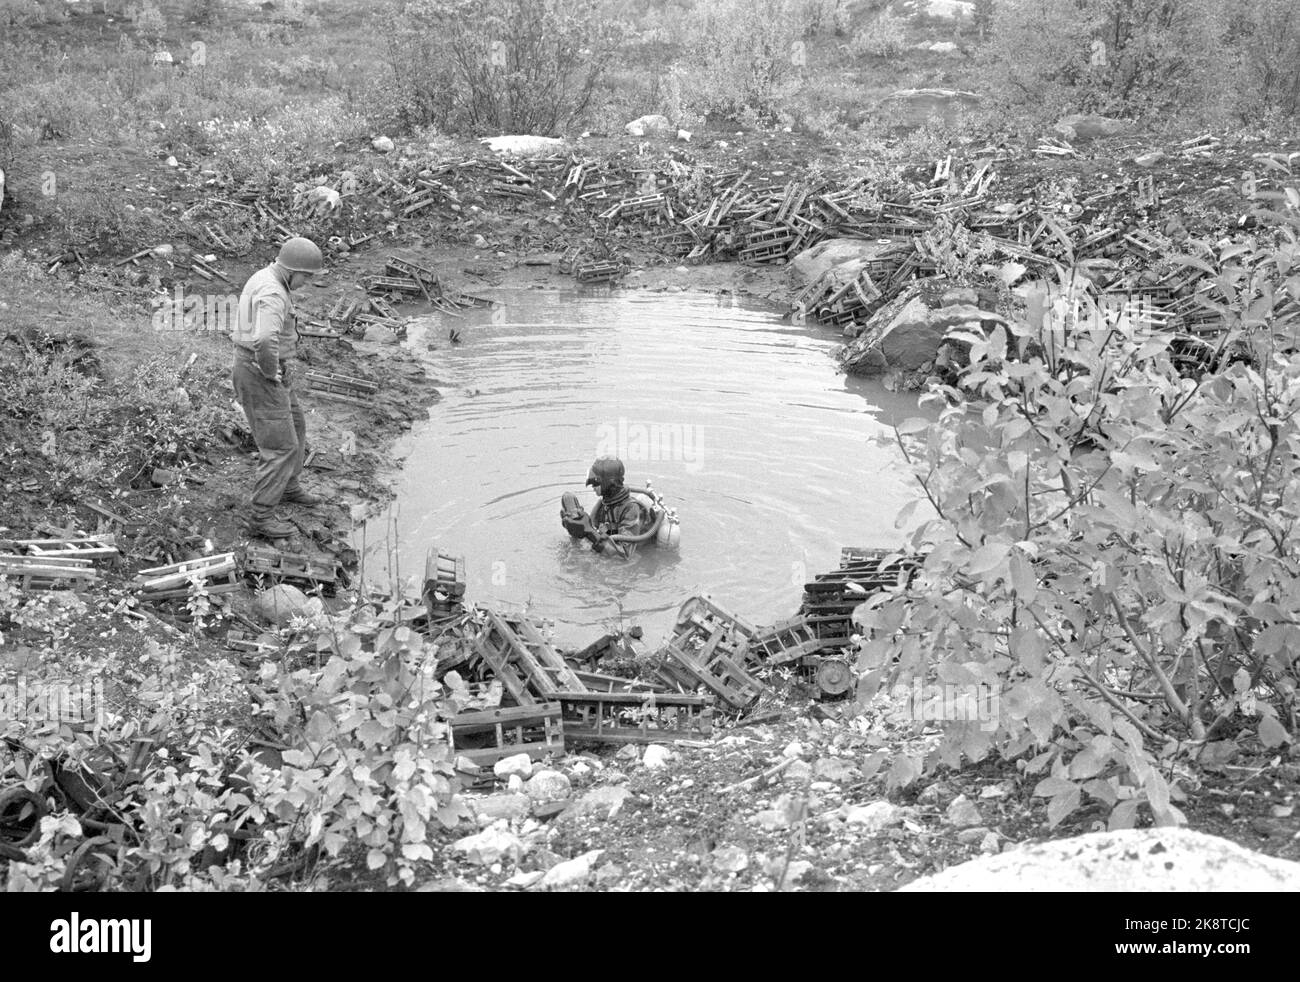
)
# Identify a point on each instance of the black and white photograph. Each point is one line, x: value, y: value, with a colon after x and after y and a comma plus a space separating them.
x: 651, y: 447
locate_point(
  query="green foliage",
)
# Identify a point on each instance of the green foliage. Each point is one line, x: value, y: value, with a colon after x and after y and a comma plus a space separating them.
x: 1112, y: 543
x: 885, y: 37
x: 499, y: 66
x: 1108, y: 56
x: 367, y: 767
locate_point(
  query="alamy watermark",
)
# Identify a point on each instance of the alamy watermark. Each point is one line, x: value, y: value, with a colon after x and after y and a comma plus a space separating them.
x: 52, y: 702
x: 217, y: 312
x: 634, y: 442
x: 946, y: 702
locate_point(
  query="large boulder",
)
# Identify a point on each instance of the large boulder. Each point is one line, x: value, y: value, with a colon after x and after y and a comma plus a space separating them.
x: 906, y: 334
x: 1142, y: 860
x: 1081, y: 127
x: 280, y: 604
x: 913, y: 107
x: 815, y: 261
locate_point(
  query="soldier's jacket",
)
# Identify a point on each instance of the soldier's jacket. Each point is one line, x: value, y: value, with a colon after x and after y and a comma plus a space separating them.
x: 265, y: 324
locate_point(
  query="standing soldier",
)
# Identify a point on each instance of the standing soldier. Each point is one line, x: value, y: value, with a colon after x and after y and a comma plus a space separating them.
x: 265, y: 336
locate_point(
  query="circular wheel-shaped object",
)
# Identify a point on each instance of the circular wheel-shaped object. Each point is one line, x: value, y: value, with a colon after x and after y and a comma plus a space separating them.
x: 88, y: 870
x: 834, y: 677
x: 21, y: 812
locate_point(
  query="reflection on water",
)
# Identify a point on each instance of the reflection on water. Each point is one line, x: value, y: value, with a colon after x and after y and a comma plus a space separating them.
x: 739, y: 420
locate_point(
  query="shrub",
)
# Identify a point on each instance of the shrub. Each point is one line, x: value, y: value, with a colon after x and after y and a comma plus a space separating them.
x: 885, y: 37
x: 499, y: 66
x: 1113, y: 543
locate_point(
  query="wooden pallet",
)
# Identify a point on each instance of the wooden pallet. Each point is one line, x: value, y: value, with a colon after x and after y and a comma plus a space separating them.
x: 334, y: 383
x: 787, y: 641
x: 598, y: 682
x: 47, y: 572
x: 80, y: 547
x: 535, y: 730
x: 279, y: 566
x: 709, y: 648
x: 633, y: 717
x: 529, y: 667
x: 217, y: 574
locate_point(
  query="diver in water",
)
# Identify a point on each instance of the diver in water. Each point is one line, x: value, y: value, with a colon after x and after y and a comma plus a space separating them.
x: 617, y: 513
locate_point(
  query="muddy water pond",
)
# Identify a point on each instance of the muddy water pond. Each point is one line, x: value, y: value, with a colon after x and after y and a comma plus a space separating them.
x: 739, y: 420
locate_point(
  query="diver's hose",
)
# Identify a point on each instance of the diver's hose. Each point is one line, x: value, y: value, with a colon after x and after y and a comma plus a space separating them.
x: 660, y: 514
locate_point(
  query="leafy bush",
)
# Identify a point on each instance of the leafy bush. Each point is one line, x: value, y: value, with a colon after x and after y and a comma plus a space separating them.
x: 499, y: 66
x: 885, y: 37
x: 742, y: 58
x: 1113, y: 545
x: 1109, y: 56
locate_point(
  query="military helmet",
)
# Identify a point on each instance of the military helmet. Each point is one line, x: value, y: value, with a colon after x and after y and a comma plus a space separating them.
x: 300, y: 255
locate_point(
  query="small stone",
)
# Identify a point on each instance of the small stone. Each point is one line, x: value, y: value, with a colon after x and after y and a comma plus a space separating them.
x: 963, y: 813
x: 378, y: 334
x: 656, y: 756
x: 164, y: 250
x: 800, y: 772
x: 604, y: 803
x: 489, y: 846
x: 609, y: 873
x: 515, y: 783
x: 571, y: 873
x: 495, y: 807
x: 525, y: 880
x: 629, y: 752
x: 795, y: 872
x: 874, y: 816
x: 547, y: 786
x: 172, y: 162
x: 478, y: 242
x: 730, y: 859
x: 520, y: 764
x: 383, y: 144
x: 1282, y: 811
x: 989, y: 844
x: 793, y: 749
x: 162, y: 476
x: 684, y: 136
x: 931, y: 794
x: 772, y: 819
x: 970, y: 836
x: 834, y: 769
x: 1149, y: 159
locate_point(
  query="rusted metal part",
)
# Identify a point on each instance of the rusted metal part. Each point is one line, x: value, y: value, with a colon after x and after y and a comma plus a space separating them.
x: 79, y: 547
x: 334, y: 382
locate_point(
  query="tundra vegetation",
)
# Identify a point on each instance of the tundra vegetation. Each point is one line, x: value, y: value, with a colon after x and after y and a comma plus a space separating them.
x: 1114, y: 536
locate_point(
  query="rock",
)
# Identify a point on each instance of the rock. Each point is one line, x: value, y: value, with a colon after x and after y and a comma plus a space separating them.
x: 970, y: 836
x: 164, y: 250
x: 571, y: 873
x: 684, y: 136
x: 163, y: 58
x: 1149, y: 159
x: 280, y: 603
x: 815, y: 262
x: 172, y: 162
x: 943, y: 47
x: 478, y: 242
x: 383, y: 144
x: 1081, y: 127
x: 525, y: 880
x: 546, y: 786
x: 520, y: 764
x: 772, y: 819
x: 989, y: 844
x: 1132, y: 860
x: 906, y: 334
x: 834, y: 769
x: 604, y: 803
x: 628, y: 753
x: 914, y: 107
x: 730, y: 859
x: 950, y: 9
x: 792, y: 749
x: 515, y: 783
x: 495, y: 807
x: 449, y: 884
x: 800, y: 772
x: 523, y: 146
x: 378, y: 334
x: 609, y: 873
x: 656, y: 756
x: 489, y: 846
x: 963, y: 813
x: 162, y: 476
x: 652, y: 125
x: 795, y: 872
x: 874, y: 817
